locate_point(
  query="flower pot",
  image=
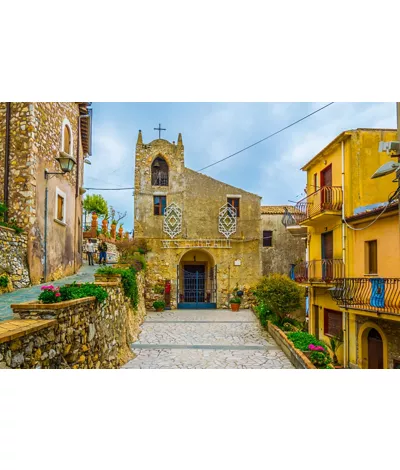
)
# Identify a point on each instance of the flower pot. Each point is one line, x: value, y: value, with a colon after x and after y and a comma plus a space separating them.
x: 235, y: 307
x: 160, y: 309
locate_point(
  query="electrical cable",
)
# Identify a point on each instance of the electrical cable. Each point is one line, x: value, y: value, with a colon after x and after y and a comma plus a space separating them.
x: 391, y: 199
x: 268, y: 137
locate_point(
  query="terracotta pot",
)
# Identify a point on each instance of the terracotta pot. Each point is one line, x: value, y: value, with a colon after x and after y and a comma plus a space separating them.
x: 235, y: 307
x: 159, y: 309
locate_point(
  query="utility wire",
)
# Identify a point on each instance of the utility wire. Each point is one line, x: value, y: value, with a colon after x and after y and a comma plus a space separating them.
x: 108, y: 189
x: 268, y: 137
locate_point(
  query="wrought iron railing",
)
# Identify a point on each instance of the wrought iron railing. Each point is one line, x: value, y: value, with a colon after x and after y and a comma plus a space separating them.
x: 376, y: 294
x: 319, y: 270
x: 327, y: 198
x: 159, y: 178
x: 292, y: 217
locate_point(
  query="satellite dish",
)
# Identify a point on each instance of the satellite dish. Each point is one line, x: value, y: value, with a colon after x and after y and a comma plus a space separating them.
x: 386, y: 169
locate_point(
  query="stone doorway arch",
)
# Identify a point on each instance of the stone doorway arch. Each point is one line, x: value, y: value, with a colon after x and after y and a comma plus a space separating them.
x: 373, y: 347
x: 197, y: 280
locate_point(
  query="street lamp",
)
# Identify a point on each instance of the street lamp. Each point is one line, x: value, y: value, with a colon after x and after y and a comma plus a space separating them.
x: 67, y: 163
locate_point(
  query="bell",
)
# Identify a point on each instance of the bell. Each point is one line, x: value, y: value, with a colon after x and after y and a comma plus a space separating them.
x: 156, y: 164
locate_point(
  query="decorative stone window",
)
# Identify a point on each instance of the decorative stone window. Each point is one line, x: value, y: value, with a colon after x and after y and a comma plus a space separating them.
x: 60, y: 207
x: 66, y: 138
x: 234, y: 201
x: 159, y: 172
x: 160, y: 203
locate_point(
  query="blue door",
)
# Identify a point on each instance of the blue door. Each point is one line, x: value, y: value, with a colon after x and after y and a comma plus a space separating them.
x: 197, y: 287
x: 377, y: 292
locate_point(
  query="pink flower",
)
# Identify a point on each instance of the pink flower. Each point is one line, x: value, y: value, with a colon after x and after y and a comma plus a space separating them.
x: 58, y: 294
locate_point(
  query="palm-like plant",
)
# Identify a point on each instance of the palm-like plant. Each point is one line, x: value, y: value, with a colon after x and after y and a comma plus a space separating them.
x: 334, y: 344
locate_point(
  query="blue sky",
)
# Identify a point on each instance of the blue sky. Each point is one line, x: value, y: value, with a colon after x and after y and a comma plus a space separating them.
x: 212, y: 131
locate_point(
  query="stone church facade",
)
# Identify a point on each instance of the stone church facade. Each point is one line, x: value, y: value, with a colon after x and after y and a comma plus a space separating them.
x: 204, y: 235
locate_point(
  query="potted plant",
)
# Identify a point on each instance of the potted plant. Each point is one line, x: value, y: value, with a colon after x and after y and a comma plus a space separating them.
x: 159, y: 305
x: 235, y: 304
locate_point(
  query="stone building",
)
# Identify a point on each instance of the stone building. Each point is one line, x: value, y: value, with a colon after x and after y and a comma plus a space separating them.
x: 204, y: 235
x: 35, y: 138
x: 280, y: 248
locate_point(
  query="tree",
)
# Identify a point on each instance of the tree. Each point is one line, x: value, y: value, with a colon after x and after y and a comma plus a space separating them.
x: 115, y: 216
x: 279, y: 294
x: 96, y: 203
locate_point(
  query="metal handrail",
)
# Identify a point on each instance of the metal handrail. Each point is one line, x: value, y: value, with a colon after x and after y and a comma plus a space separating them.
x: 377, y: 294
x: 321, y: 270
x: 325, y: 198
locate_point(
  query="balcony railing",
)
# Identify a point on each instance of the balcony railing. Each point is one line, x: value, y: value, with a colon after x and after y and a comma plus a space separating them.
x: 327, y: 198
x: 381, y: 295
x: 320, y: 270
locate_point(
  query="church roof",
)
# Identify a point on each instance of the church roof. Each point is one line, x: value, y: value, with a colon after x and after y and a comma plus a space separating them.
x: 276, y: 209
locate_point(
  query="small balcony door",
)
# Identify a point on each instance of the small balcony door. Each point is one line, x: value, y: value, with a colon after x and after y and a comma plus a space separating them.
x: 326, y: 185
x: 327, y: 255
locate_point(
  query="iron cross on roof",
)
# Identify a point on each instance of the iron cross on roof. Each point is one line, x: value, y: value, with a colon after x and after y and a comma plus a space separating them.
x: 159, y: 129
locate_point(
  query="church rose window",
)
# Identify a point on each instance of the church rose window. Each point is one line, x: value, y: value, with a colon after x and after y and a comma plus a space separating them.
x: 159, y: 172
x: 160, y: 203
x: 235, y: 202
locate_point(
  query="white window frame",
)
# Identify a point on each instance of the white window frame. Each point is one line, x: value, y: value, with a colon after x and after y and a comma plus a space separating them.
x: 64, y: 196
x: 66, y: 123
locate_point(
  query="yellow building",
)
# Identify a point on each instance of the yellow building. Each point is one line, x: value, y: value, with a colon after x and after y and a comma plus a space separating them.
x: 352, y: 268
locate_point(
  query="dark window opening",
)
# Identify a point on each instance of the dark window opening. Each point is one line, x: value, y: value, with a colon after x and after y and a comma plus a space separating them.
x: 160, y: 203
x: 371, y: 257
x: 332, y: 323
x: 267, y: 238
x: 396, y: 364
x: 235, y: 202
x: 159, y: 172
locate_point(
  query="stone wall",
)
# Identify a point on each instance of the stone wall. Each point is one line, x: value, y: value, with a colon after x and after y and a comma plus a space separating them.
x: 78, y: 334
x: 35, y: 143
x: 13, y: 257
x: 285, y: 250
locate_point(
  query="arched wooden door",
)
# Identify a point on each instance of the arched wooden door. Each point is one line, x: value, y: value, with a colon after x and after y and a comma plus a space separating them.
x: 375, y: 350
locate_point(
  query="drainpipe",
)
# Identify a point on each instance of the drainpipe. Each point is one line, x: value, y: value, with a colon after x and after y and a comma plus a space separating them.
x: 346, y: 339
x: 77, y: 182
x: 7, y: 159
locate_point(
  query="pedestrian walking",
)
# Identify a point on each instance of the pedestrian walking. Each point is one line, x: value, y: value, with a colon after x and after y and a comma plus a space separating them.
x: 103, y: 252
x: 90, y: 250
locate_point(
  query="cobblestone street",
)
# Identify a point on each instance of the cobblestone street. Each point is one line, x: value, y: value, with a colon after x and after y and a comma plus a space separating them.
x: 205, y: 339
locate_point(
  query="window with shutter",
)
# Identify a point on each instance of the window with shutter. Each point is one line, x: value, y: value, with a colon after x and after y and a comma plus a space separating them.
x: 67, y: 140
x: 60, y: 208
x: 332, y: 322
x: 371, y: 257
x: 235, y: 202
x: 160, y: 203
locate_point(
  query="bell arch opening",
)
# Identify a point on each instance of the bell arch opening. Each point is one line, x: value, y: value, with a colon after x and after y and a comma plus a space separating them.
x: 159, y: 172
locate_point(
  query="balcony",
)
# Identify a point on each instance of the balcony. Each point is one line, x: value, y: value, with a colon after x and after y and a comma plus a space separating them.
x: 291, y: 219
x: 380, y: 295
x: 317, y: 271
x: 326, y: 201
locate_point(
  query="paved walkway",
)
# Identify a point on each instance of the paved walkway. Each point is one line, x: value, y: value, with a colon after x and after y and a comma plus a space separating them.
x: 85, y: 274
x: 205, y: 339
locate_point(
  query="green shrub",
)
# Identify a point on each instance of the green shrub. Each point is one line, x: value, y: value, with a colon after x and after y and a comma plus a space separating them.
x: 4, y: 280
x: 302, y: 340
x: 279, y: 294
x: 51, y: 294
x: 320, y: 359
x: 159, y: 304
x: 78, y: 291
x: 235, y: 300
x: 128, y: 279
x: 264, y: 314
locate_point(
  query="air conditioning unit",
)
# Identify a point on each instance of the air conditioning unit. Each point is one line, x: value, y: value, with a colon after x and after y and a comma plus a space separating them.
x: 390, y: 147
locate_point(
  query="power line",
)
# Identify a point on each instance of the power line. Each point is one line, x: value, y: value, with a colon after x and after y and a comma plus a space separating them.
x: 107, y: 189
x: 268, y: 137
